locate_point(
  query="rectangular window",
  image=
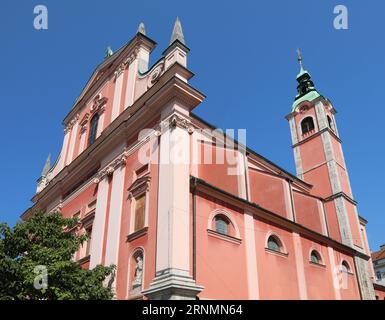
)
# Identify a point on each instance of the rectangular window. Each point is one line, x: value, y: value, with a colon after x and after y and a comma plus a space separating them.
x: 379, y: 275
x: 91, y: 206
x: 88, y: 247
x: 140, y: 206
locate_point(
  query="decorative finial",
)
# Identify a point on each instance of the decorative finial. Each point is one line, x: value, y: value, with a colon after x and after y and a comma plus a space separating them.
x: 109, y: 52
x: 299, y: 54
x: 47, y: 166
x: 177, y: 33
x: 141, y: 28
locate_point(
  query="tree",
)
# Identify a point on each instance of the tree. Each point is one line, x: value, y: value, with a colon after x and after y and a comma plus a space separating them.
x: 37, y: 253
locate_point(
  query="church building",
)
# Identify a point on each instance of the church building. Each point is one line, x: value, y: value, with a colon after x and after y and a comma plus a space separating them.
x: 185, y: 210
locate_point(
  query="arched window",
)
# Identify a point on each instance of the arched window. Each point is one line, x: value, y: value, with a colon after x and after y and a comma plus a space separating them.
x: 93, y: 129
x: 330, y: 122
x: 315, y: 257
x: 307, y: 125
x: 221, y: 222
x: 345, y: 267
x: 221, y: 225
x: 274, y: 244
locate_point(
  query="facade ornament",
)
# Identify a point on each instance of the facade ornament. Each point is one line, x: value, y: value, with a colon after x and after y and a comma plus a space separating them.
x: 120, y: 69
x: 83, y: 123
x: 131, y: 58
x: 138, y: 272
x: 183, y: 123
x: 155, y: 74
x: 70, y: 125
x: 124, y: 65
x: 110, y: 170
x: 112, y: 166
x: 98, y: 104
x: 140, y: 186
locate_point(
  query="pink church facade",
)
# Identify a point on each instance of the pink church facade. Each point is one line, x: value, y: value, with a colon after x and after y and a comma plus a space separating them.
x: 186, y: 212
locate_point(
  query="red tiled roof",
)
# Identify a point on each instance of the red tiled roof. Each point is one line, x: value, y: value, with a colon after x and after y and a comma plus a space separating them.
x: 378, y: 254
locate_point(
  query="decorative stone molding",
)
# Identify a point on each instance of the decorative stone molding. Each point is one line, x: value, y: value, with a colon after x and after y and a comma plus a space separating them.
x: 141, y: 185
x: 71, y: 123
x: 131, y: 58
x: 83, y: 123
x: 120, y: 69
x: 98, y: 104
x: 124, y: 65
x: 112, y: 166
x: 180, y: 122
x: 155, y: 74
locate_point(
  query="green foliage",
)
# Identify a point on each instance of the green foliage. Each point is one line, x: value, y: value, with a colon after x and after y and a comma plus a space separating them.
x: 44, y: 240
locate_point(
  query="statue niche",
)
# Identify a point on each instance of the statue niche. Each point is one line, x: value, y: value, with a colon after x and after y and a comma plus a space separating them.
x: 138, y: 275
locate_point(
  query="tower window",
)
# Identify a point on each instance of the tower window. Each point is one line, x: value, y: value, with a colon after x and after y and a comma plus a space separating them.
x: 274, y: 244
x: 307, y: 125
x: 93, y: 129
x: 221, y: 225
x: 330, y: 122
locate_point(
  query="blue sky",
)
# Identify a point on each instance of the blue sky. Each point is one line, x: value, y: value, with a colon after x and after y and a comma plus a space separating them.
x: 243, y: 55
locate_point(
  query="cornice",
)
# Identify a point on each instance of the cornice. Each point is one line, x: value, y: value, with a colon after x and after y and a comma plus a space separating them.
x: 108, y: 69
x: 145, y: 110
x: 262, y: 213
x: 327, y: 129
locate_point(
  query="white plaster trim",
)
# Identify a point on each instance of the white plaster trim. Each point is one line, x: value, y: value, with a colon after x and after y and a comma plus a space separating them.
x: 300, y: 267
x: 293, y: 130
x: 99, y: 222
x: 100, y: 127
x: 251, y: 257
x: 343, y: 222
x: 195, y: 154
x: 322, y: 215
x: 131, y: 84
x: 298, y: 162
x: 241, y: 174
x: 63, y: 152
x: 115, y: 210
x: 82, y: 143
x: 321, y: 115
x: 288, y: 203
x: 173, y: 226
x: 117, y: 97
x: 333, y: 274
x: 74, y: 136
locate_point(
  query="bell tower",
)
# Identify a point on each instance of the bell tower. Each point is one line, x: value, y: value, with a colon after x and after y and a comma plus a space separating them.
x: 319, y: 161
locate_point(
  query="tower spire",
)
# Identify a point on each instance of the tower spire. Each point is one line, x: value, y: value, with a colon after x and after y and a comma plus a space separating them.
x: 177, y: 33
x: 299, y: 54
x: 47, y: 166
x: 141, y: 28
x: 305, y: 88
